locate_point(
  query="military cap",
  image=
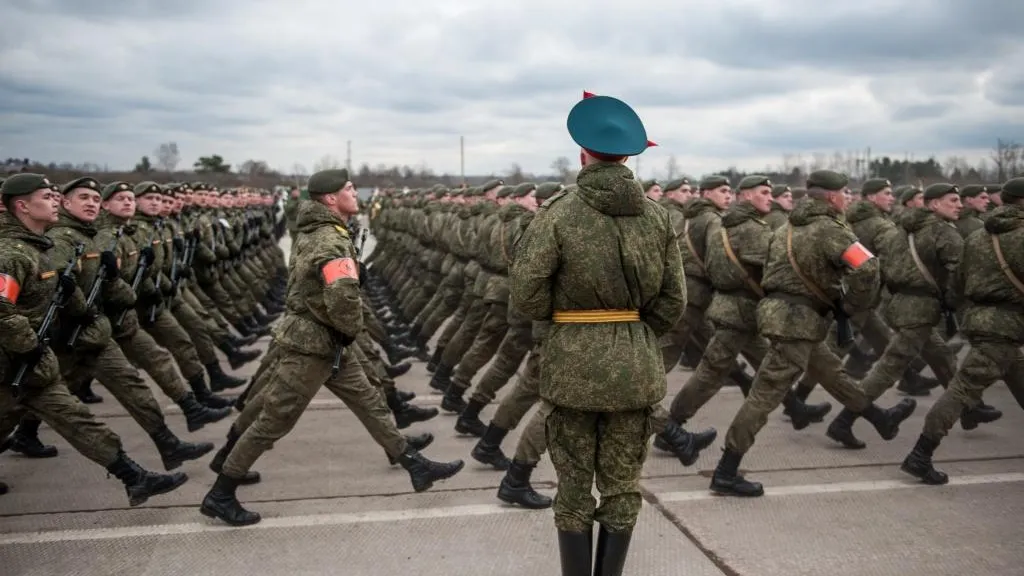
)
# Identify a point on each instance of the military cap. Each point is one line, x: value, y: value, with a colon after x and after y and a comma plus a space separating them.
x: 490, y: 185
x: 1013, y: 188
x: 874, y: 186
x: 147, y: 187
x: 936, y: 191
x: 780, y: 189
x: 908, y: 194
x: 712, y: 182
x: 753, y: 181
x: 547, y: 190
x: 993, y: 188
x: 607, y: 126
x: 327, y: 181
x: 829, y: 180
x: 799, y: 193
x: 523, y: 189
x: 504, y: 191
x: 198, y: 186
x: 169, y: 189
x: 115, y: 187
x: 973, y: 190
x: 24, y: 184
x: 83, y: 182
x: 648, y: 184
x: 675, y: 184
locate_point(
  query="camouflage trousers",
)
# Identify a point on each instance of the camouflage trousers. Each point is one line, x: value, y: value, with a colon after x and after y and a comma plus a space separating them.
x: 196, y: 329
x: 606, y: 448
x: 517, y: 403
x: 143, y: 352
x: 465, y: 333
x: 783, y: 363
x: 692, y: 329
x: 296, y: 379
x: 488, y: 338
x: 169, y: 334
x: 443, y: 303
x: 513, y: 348
x: 718, y: 360
x: 986, y: 362
x: 906, y: 345
x: 466, y: 301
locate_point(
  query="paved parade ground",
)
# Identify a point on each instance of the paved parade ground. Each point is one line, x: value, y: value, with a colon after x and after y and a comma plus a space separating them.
x: 332, y: 505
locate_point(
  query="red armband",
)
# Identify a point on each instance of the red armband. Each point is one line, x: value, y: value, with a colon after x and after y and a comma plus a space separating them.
x: 9, y: 288
x: 339, y: 268
x: 856, y: 255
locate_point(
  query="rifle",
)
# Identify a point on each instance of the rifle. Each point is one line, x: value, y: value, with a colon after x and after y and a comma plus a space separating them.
x: 158, y: 226
x: 844, y: 331
x: 57, y: 302
x: 140, y: 272
x: 94, y: 290
x: 336, y: 367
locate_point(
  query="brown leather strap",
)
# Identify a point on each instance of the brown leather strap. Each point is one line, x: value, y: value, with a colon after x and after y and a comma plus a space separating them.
x: 1004, y: 266
x: 689, y: 244
x: 921, y: 267
x: 739, y: 267
x: 811, y: 286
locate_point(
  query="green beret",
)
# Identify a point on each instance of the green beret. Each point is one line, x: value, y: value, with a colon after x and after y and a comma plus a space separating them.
x: 505, y: 191
x: 472, y: 191
x: 828, y: 180
x: 780, y: 189
x: 455, y: 192
x: 648, y: 184
x: 147, y: 187
x: 83, y: 182
x: 547, y: 190
x: 874, y: 186
x: 993, y: 188
x: 523, y: 189
x: 490, y: 186
x: 799, y: 193
x: 1013, y: 188
x: 327, y: 181
x: 972, y: 190
x: 24, y: 184
x: 675, y: 184
x: 712, y: 182
x: 753, y: 181
x: 908, y: 194
x: 198, y: 186
x: 169, y: 189
x: 113, y: 188
x: 936, y: 191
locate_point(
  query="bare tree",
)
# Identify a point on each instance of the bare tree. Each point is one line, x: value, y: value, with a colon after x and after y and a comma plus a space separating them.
x: 1008, y: 157
x: 327, y: 162
x: 253, y: 168
x: 167, y: 156
x: 515, y: 174
x: 818, y: 161
x: 563, y: 167
x: 299, y: 174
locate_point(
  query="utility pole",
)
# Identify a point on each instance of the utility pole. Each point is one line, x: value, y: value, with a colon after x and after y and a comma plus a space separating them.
x: 348, y: 157
x: 462, y: 159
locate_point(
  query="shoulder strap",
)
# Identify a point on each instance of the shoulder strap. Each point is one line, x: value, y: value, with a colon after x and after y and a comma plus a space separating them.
x: 920, y: 265
x: 689, y: 244
x: 1004, y: 266
x: 811, y: 286
x: 739, y: 267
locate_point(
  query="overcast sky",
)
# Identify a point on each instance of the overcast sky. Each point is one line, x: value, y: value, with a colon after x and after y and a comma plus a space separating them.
x: 736, y: 82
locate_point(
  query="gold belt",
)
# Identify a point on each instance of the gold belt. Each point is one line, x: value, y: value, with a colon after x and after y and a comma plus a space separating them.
x: 594, y: 316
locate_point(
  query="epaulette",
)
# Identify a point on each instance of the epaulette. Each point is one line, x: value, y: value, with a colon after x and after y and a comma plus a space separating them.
x: 341, y: 230
x: 554, y: 198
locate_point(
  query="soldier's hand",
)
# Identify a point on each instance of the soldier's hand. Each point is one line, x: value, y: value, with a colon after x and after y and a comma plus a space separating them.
x: 32, y: 357
x: 67, y: 286
x: 186, y: 273
x: 147, y: 254
x: 362, y: 273
x: 109, y: 263
x: 179, y: 244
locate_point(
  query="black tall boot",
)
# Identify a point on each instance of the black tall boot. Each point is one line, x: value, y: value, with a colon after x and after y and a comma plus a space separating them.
x: 221, y: 381
x: 396, y: 370
x: 887, y: 422
x: 687, y: 445
x: 25, y: 440
x: 612, y: 548
x: 858, y: 362
x: 452, y: 400
x: 86, y: 395
x: 217, y: 464
x: 803, y: 415
x: 980, y: 414
x: 435, y: 359
x: 488, y: 449
x: 174, y: 452
x: 727, y: 480
x: 236, y: 357
x: 197, y: 415
x: 469, y: 419
x: 913, y: 384
x: 442, y: 378
x: 141, y: 484
x: 423, y: 472
x: 237, y: 342
x: 802, y: 391
x: 515, y: 487
x: 204, y: 395
x: 841, y: 430
x: 221, y: 502
x: 576, y: 552
x: 407, y: 414
x: 919, y: 462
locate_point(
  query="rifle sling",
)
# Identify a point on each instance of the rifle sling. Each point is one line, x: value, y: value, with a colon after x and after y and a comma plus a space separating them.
x: 1004, y: 266
x: 754, y: 286
x: 689, y: 244
x: 811, y: 286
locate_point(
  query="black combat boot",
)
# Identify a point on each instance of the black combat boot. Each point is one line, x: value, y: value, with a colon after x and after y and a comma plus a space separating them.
x: 913, y: 384
x: 452, y: 400
x: 236, y: 357
x: 219, y: 380
x: 576, y: 552
x: 686, y: 445
x: 742, y: 379
x: 612, y: 548
x: 516, y: 489
x: 423, y: 472
x: 469, y: 419
x: 435, y: 359
x: 981, y: 414
x: 488, y: 449
x: 86, y: 395
x: 198, y: 415
x: 442, y: 378
x: 396, y: 370
x: 841, y: 430
x: 407, y: 414
x: 858, y: 362
x: 803, y: 415
x: 919, y: 462
x: 141, y: 484
x: 417, y: 443
x: 887, y: 422
x: 405, y: 396
x: 174, y: 452
x: 802, y: 391
x: 241, y: 342
x: 25, y: 440
x: 727, y: 480
x: 217, y: 464
x: 396, y: 352
x: 264, y: 319
x: 220, y: 502
x: 205, y: 396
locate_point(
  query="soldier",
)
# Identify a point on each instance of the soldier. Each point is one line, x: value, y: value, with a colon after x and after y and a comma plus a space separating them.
x: 992, y: 276
x: 291, y: 208
x: 975, y: 203
x: 782, y: 205
x: 807, y: 261
x: 324, y: 317
x: 28, y: 282
x: 603, y: 265
x: 653, y: 190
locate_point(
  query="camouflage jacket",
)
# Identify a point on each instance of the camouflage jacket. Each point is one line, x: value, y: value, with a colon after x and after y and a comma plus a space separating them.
x: 777, y: 218
x: 970, y: 220
x: 701, y: 215
x: 995, y: 309
x: 874, y: 229
x: 734, y: 303
x: 603, y: 247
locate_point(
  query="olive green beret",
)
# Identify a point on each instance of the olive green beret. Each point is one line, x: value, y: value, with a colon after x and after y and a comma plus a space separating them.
x: 24, y: 184
x: 780, y: 189
x: 169, y: 189
x: 972, y: 190
x: 455, y: 192
x: 1013, y: 188
x: 712, y: 182
x: 198, y: 186
x: 490, y: 186
x: 874, y: 186
x: 993, y: 188
x: 675, y: 184
x: 547, y: 190
x: 936, y: 191
x: 908, y: 194
x: 115, y: 187
x: 523, y: 189
x: 83, y: 182
x: 753, y: 181
x: 327, y: 181
x: 504, y: 191
x: 472, y: 191
x: 799, y: 193
x: 648, y: 184
x: 829, y: 180
x: 144, y: 188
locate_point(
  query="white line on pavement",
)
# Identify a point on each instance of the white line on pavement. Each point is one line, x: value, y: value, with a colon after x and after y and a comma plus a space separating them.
x: 841, y: 487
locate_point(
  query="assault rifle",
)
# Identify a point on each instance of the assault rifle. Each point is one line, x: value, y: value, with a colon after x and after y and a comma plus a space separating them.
x: 140, y: 273
x: 94, y: 290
